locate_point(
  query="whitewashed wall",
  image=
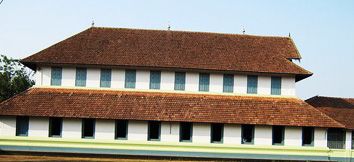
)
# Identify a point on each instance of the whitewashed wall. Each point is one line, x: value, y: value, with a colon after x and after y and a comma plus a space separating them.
x: 348, y: 139
x: 105, y: 129
x: 320, y: 137
x: 71, y: 128
x: 263, y: 135
x: 170, y: 132
x: 7, y: 126
x: 232, y: 134
x: 38, y: 127
x: 293, y: 136
x: 137, y: 130
x: 201, y: 133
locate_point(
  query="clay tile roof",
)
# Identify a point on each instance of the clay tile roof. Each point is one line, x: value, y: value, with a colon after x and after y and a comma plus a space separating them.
x: 174, y: 50
x: 105, y: 104
x: 340, y: 109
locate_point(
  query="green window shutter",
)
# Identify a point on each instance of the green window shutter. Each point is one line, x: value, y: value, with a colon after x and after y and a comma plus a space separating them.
x: 204, y: 80
x: 276, y: 86
x: 180, y: 80
x: 56, y: 76
x: 252, y: 84
x: 106, y: 75
x: 130, y: 78
x: 155, y: 79
x: 228, y: 83
x: 81, y: 74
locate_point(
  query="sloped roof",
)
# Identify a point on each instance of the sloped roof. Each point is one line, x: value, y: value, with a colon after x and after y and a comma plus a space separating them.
x: 105, y: 104
x: 340, y: 109
x: 174, y: 50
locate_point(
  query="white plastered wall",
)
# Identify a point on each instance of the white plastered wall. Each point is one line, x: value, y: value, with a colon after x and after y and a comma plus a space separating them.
x: 169, y: 131
x: 348, y: 139
x: 71, y: 128
x: 240, y: 84
x: 38, y: 127
x: 137, y: 130
x: 118, y: 78
x: 264, y: 85
x: 201, y: 133
x: 263, y: 135
x: 192, y: 82
x: 68, y: 76
x: 293, y: 136
x: 167, y: 80
x: 142, y: 79
x: 216, y: 83
x: 232, y: 134
x: 288, y: 86
x: 93, y: 77
x: 45, y: 76
x: 7, y: 126
x: 105, y: 129
x: 320, y: 137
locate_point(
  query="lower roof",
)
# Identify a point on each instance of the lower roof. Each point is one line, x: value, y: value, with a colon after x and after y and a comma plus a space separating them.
x: 158, y: 106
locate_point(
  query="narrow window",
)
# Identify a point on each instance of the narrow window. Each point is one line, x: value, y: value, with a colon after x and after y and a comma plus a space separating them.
x: 155, y: 79
x: 307, y: 136
x: 56, y: 75
x: 81, y: 74
x: 217, y: 133
x: 252, y: 84
x: 247, y: 134
x: 22, y: 126
x: 228, y: 83
x: 121, y: 129
x: 154, y: 129
x: 88, y: 128
x: 352, y: 139
x: 55, y: 127
x: 185, y: 132
x: 204, y: 80
x: 130, y: 78
x: 336, y: 138
x: 276, y: 85
x: 180, y: 81
x: 106, y: 75
x: 278, y: 135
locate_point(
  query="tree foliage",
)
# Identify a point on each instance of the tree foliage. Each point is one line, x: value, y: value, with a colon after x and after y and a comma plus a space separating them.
x: 14, y: 77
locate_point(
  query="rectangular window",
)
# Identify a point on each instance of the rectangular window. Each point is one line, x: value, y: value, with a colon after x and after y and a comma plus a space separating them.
x: 106, y: 76
x: 307, y: 136
x: 276, y: 85
x: 185, y: 132
x: 278, y: 135
x: 56, y: 75
x: 22, y: 125
x: 81, y: 74
x: 228, y: 83
x: 217, y: 133
x: 336, y: 138
x: 121, y: 129
x: 130, y: 78
x: 252, y: 84
x: 154, y: 131
x: 247, y: 134
x: 352, y: 139
x: 155, y: 79
x: 204, y: 80
x: 180, y: 81
x: 55, y: 127
x: 88, y: 128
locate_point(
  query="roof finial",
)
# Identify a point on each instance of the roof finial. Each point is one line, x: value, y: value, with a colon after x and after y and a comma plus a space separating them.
x: 93, y: 23
x: 244, y: 30
x: 289, y: 35
x: 169, y: 27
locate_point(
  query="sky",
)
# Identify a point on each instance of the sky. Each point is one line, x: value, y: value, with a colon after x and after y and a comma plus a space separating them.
x: 323, y: 30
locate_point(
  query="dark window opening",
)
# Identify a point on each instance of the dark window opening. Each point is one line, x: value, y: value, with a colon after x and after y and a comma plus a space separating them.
x: 88, y: 128
x: 121, y: 129
x: 217, y: 132
x: 22, y: 125
x: 352, y: 139
x: 154, y: 129
x: 247, y: 134
x: 278, y: 135
x: 55, y: 127
x: 185, y: 132
x: 336, y: 138
x: 307, y: 136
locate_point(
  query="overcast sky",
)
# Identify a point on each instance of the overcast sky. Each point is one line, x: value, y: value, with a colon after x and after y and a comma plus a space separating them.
x: 323, y: 30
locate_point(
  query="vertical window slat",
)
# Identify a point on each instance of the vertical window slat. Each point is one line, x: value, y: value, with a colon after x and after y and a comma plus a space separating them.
x: 81, y: 75
x: 204, y: 81
x: 252, y: 84
x: 155, y: 79
x: 180, y: 81
x: 56, y: 76
x: 130, y: 79
x: 228, y: 83
x: 106, y: 76
x: 276, y: 86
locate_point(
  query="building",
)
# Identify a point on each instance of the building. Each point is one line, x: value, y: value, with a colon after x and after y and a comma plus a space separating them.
x: 169, y: 93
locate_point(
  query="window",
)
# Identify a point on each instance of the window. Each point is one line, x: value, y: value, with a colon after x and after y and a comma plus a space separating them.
x: 228, y: 83
x: 276, y: 85
x: 247, y: 134
x: 352, y: 139
x: 154, y: 130
x: 278, y: 135
x: 56, y: 75
x: 22, y: 126
x: 121, y: 129
x: 155, y: 79
x: 307, y: 136
x: 88, y: 128
x: 130, y: 78
x: 180, y: 80
x: 204, y: 80
x: 336, y: 138
x: 217, y: 133
x: 252, y: 84
x: 185, y: 132
x: 80, y: 80
x: 106, y: 75
x: 55, y: 127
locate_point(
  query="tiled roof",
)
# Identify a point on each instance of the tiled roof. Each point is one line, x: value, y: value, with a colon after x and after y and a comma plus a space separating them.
x: 105, y: 104
x: 340, y: 109
x: 137, y: 48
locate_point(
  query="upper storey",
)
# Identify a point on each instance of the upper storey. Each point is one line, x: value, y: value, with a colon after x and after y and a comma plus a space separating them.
x: 174, y: 50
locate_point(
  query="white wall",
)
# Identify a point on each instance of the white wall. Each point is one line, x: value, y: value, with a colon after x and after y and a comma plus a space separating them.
x: 46, y: 74
x: 105, y: 129
x: 348, y: 139
x: 216, y: 83
x: 167, y: 80
x: 192, y: 82
x: 38, y: 127
x: 142, y: 79
x: 320, y: 137
x: 68, y: 76
x: 71, y: 128
x: 93, y: 78
x: 264, y: 85
x: 169, y: 131
x: 263, y: 135
x: 137, y: 130
x: 232, y: 134
x: 201, y: 133
x: 293, y: 136
x: 240, y: 84
x: 7, y: 126
x: 118, y: 78
x: 288, y: 86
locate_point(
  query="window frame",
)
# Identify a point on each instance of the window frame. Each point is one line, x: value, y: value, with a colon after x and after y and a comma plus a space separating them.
x: 190, y: 129
x: 250, y: 88
x: 312, y: 136
x: 51, y: 127
x: 282, y: 136
x: 204, y: 82
x: 106, y: 74
x: 274, y: 89
x: 212, y: 134
x: 78, y: 81
x: 180, y: 76
x: 116, y: 130
x: 228, y: 88
x: 54, y: 81
x: 131, y: 84
x: 338, y: 131
x: 93, y: 129
x: 22, y: 120
x: 155, y: 79
x: 149, y: 129
x: 243, y: 132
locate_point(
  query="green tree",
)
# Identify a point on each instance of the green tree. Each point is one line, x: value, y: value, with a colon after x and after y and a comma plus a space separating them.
x: 14, y: 77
